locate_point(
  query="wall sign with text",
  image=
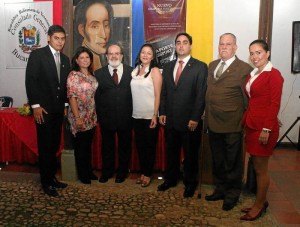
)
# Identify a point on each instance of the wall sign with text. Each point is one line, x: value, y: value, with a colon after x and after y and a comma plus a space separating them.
x: 163, y: 19
x: 26, y: 30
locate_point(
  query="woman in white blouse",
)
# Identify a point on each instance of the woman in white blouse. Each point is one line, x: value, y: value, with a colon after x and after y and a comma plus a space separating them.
x: 146, y: 86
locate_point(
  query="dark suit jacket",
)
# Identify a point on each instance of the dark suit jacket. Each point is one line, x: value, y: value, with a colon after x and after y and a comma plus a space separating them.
x: 264, y: 103
x: 114, y: 102
x: 225, y: 99
x: 42, y: 85
x: 185, y: 101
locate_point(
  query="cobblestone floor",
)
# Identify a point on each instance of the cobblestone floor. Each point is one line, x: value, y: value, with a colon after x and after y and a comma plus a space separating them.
x: 22, y: 203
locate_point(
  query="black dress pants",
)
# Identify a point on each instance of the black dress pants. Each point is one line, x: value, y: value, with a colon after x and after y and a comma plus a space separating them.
x: 48, y: 138
x: 83, y: 153
x: 145, y: 141
x: 227, y: 154
x: 190, y: 141
x: 112, y: 139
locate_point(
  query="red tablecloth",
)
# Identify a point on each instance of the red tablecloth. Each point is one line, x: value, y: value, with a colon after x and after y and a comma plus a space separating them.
x: 18, y: 142
x: 17, y: 137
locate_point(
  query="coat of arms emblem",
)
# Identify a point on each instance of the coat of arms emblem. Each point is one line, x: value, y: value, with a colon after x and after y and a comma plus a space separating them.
x: 29, y: 38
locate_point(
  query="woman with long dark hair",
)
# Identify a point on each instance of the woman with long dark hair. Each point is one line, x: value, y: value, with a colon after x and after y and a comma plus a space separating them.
x: 146, y: 86
x: 81, y: 88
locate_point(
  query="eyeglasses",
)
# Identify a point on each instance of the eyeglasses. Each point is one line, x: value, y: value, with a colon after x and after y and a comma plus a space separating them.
x: 111, y: 54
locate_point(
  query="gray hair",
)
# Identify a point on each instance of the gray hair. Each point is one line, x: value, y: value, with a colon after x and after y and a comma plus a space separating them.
x: 228, y: 33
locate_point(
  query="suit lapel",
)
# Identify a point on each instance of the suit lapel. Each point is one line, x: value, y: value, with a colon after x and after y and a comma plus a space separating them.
x: 51, y: 62
x: 213, y: 67
x: 171, y: 75
x: 233, y: 66
x: 109, y: 77
x: 123, y: 77
x: 185, y: 71
x: 62, y: 67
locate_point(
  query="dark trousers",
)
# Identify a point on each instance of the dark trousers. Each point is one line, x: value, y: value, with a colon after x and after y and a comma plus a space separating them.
x: 83, y: 152
x: 190, y: 141
x: 109, y: 144
x: 145, y: 141
x: 227, y: 154
x: 48, y: 138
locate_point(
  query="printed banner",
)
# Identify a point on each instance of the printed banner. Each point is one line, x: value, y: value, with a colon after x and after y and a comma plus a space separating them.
x: 26, y: 30
x: 163, y: 19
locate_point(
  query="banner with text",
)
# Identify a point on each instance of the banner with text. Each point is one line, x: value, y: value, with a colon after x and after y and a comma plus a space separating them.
x: 163, y: 19
x: 26, y: 30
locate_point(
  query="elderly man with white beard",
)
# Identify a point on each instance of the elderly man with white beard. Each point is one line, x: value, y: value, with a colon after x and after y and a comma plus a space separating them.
x: 114, y: 110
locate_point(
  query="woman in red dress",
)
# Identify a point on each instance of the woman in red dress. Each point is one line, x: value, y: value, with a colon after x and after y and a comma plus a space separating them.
x: 264, y: 89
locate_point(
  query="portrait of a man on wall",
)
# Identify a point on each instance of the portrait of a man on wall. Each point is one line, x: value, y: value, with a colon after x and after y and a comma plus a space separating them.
x: 97, y: 23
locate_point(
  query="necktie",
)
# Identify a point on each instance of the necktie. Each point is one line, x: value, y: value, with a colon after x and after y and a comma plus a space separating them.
x: 57, y: 63
x: 115, y: 77
x: 178, y: 72
x: 220, y: 70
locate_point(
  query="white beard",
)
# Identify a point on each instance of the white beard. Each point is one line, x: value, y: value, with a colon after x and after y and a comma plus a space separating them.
x: 114, y: 64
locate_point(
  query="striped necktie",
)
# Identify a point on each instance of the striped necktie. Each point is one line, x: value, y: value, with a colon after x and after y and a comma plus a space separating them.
x: 220, y: 70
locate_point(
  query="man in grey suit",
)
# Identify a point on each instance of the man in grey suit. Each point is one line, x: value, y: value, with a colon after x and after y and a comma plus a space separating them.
x: 182, y: 104
x: 46, y: 77
x: 225, y: 105
x: 114, y: 109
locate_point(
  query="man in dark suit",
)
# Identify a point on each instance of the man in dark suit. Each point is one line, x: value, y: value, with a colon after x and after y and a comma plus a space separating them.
x: 225, y: 105
x: 182, y: 104
x: 114, y: 110
x: 46, y: 76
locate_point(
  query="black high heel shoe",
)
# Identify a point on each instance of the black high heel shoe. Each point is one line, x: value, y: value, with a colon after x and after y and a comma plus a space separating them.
x: 92, y: 176
x: 248, y: 217
x: 247, y: 209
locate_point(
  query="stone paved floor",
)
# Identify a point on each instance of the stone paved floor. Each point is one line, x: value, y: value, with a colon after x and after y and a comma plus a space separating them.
x: 22, y: 203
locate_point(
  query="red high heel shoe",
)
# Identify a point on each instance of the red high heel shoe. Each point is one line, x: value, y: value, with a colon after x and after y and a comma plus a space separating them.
x: 247, y: 209
x: 248, y: 217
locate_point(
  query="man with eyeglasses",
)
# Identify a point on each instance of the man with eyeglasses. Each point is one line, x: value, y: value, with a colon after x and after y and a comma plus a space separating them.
x: 114, y: 110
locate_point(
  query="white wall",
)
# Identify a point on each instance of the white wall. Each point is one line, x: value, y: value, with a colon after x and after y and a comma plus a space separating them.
x: 240, y: 18
x: 285, y: 12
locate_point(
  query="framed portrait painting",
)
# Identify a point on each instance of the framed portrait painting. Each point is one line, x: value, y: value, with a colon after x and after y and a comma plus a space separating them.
x: 97, y: 23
